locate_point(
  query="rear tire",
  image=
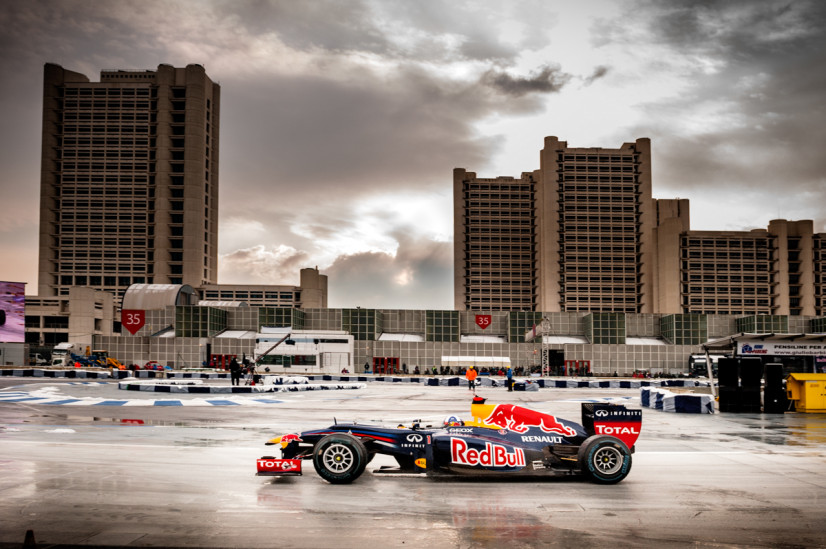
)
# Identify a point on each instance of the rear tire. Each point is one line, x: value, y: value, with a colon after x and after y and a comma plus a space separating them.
x: 340, y: 458
x: 604, y: 459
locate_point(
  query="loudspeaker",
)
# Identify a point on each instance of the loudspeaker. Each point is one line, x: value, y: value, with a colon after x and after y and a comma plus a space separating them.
x: 774, y: 374
x: 729, y: 399
x: 775, y: 402
x: 750, y: 400
x: 774, y: 392
x: 774, y: 378
x: 727, y: 374
x: 751, y: 372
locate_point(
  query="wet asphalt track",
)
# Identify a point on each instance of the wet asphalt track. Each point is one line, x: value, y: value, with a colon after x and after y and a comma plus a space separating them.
x: 183, y: 476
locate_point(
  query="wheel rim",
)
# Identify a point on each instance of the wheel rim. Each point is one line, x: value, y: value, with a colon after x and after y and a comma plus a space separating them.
x: 608, y: 460
x: 338, y: 458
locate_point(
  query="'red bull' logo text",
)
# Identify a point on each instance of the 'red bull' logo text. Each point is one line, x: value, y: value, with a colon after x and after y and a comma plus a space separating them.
x: 494, y: 455
x: 519, y: 419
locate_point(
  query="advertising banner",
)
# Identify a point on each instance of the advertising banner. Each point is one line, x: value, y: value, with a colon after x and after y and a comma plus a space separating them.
x: 12, y: 312
x: 770, y: 348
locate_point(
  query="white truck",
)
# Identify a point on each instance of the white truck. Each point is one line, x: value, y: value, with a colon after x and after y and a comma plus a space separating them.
x: 62, y: 353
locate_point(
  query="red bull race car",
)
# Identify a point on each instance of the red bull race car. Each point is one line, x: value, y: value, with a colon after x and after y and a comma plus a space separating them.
x: 500, y: 439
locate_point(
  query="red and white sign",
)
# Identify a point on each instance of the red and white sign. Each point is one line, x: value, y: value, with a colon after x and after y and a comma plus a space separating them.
x: 626, y: 432
x: 273, y: 467
x: 494, y: 455
x: 620, y: 423
x: 483, y: 321
x: 132, y: 319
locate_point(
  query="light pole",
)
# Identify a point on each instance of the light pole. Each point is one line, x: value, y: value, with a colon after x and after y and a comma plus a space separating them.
x: 545, y: 326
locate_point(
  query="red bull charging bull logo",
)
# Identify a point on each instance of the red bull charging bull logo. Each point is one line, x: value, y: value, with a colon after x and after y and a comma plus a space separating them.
x: 519, y: 419
x: 285, y: 440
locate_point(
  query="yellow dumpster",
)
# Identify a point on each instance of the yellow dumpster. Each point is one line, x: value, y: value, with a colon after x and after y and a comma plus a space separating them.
x: 808, y: 391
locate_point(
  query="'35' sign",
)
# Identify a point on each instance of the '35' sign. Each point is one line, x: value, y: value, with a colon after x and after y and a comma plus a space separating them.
x: 133, y: 319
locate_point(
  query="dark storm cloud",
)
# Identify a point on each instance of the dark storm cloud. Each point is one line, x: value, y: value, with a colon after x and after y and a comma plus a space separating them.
x: 325, y: 24
x: 432, y: 30
x: 544, y: 80
x: 313, y: 134
x: 754, y: 109
x: 599, y: 72
x: 741, y: 29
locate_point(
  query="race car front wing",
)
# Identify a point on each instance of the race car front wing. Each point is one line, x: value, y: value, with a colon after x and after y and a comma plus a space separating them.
x: 273, y: 467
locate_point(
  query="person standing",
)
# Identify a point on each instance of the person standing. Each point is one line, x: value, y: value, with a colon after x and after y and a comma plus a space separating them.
x: 471, y: 378
x: 234, y: 372
x: 509, y: 375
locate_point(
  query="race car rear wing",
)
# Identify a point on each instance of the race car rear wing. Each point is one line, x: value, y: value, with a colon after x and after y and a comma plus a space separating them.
x: 612, y: 419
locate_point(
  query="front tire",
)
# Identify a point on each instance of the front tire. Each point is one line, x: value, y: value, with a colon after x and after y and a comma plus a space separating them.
x: 340, y: 458
x: 604, y: 459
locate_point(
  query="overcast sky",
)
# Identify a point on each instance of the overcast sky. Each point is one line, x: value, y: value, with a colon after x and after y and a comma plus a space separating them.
x: 341, y: 121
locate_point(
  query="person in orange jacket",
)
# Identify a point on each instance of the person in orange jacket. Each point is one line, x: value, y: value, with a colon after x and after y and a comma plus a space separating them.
x: 471, y: 377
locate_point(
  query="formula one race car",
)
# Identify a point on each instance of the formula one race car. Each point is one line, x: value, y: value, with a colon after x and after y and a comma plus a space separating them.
x: 501, y: 439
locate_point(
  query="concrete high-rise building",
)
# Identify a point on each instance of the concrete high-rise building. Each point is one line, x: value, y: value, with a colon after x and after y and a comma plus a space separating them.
x: 129, y: 179
x: 773, y: 271
x: 583, y: 234
x: 572, y: 236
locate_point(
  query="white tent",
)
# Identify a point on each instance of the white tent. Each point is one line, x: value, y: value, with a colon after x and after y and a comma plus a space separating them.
x: 478, y: 361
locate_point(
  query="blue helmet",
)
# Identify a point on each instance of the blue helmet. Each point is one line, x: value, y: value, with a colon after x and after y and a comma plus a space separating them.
x: 453, y: 421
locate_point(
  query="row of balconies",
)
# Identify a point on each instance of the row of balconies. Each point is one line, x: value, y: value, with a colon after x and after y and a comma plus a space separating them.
x: 105, y: 154
x: 473, y: 224
x: 626, y: 203
x: 730, y: 290
x: 85, y: 106
x: 733, y: 243
x: 69, y: 166
x: 113, y: 115
x: 729, y: 255
x: 105, y: 130
x: 593, y: 178
x: 69, y: 91
x: 111, y: 190
x: 603, y: 159
x: 120, y: 228
x: 597, y: 168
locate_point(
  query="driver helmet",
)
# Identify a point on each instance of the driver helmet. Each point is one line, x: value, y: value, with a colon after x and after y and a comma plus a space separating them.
x: 453, y: 421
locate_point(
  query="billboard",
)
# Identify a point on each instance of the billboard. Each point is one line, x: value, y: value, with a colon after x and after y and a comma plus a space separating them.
x: 781, y: 348
x: 12, y: 312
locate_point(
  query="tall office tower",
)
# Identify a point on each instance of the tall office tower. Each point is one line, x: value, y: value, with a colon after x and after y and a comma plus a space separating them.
x: 129, y: 179
x: 575, y: 235
x: 495, y: 239
x: 596, y: 225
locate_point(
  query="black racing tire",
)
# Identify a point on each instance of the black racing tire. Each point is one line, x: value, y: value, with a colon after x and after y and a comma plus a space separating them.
x: 340, y: 458
x: 604, y: 459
